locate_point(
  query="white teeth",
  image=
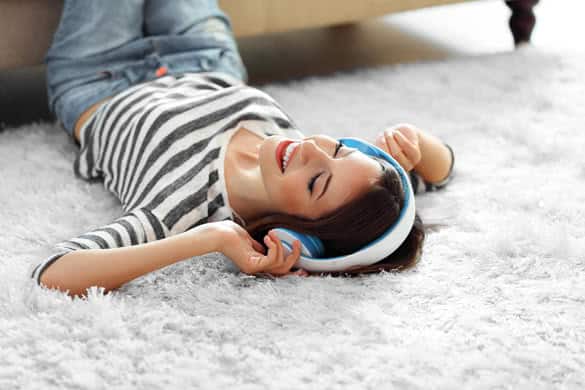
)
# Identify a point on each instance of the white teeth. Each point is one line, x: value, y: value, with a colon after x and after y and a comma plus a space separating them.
x: 287, y: 153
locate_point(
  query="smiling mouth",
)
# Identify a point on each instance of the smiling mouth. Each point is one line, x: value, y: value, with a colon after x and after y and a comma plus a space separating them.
x: 284, y: 150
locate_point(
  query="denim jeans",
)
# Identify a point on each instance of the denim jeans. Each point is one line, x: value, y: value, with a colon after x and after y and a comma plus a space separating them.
x: 102, y: 47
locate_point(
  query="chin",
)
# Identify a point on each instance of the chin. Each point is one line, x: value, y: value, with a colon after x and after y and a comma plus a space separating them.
x: 266, y: 155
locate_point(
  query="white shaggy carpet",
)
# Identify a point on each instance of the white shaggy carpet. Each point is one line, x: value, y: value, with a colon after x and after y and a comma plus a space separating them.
x: 497, y: 302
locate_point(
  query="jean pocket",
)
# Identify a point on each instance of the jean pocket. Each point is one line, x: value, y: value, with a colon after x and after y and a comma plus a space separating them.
x: 59, y: 88
x: 60, y: 84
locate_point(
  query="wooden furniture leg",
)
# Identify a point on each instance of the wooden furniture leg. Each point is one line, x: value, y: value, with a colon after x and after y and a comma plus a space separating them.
x: 522, y: 20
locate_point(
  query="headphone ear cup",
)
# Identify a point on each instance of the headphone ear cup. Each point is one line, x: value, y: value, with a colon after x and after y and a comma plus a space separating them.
x: 311, y: 246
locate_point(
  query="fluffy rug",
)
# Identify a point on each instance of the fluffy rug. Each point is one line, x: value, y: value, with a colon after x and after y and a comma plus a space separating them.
x: 497, y: 300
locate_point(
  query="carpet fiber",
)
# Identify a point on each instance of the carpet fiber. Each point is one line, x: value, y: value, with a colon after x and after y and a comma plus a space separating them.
x: 497, y: 300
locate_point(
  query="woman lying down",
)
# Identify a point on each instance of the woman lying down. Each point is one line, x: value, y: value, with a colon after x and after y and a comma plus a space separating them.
x: 202, y: 162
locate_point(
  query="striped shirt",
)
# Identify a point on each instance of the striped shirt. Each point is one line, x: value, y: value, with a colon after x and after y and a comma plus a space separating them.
x: 160, y: 146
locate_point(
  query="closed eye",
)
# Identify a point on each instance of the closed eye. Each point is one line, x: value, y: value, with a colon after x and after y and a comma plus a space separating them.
x: 314, y: 179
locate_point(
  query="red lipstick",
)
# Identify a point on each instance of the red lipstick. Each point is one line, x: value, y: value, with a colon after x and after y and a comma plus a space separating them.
x: 280, y: 152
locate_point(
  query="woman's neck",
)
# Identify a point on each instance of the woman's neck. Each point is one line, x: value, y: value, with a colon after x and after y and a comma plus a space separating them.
x: 243, y: 177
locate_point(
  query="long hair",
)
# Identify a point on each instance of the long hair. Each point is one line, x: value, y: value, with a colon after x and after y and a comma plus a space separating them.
x: 356, y: 224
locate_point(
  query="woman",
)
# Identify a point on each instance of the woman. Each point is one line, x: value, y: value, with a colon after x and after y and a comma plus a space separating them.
x: 154, y: 93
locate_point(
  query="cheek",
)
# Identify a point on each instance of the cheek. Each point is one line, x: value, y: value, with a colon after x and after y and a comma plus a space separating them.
x: 291, y: 195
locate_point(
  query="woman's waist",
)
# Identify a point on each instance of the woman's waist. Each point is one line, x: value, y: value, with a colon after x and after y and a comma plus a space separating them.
x: 86, y: 115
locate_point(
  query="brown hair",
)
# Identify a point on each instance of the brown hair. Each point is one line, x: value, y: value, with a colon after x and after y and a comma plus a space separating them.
x: 357, y: 223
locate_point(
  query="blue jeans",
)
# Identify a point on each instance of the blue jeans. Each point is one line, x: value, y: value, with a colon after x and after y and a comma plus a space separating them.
x: 102, y: 47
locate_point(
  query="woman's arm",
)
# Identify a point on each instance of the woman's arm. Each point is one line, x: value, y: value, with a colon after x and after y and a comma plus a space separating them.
x: 436, y: 159
x: 110, y: 268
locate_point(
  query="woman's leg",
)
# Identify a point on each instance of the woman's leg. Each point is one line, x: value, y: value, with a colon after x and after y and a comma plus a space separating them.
x: 88, y: 27
x: 163, y: 17
x: 193, y: 36
x: 88, y: 35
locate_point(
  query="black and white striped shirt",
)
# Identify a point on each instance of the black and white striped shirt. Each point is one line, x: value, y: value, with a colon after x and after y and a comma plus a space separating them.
x: 160, y: 147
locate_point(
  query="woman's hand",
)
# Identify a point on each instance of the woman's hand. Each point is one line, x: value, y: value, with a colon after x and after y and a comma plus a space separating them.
x: 248, y: 254
x: 402, y: 143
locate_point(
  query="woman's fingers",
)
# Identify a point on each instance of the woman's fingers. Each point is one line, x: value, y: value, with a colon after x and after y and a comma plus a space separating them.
x: 275, y: 262
x: 257, y: 246
x: 381, y: 142
x: 280, y: 251
x: 409, y: 148
x: 275, y: 251
x: 299, y: 272
x: 283, y: 264
x: 407, y: 130
x: 268, y: 260
x: 293, y: 256
x: 280, y: 257
x: 397, y: 153
x: 290, y: 260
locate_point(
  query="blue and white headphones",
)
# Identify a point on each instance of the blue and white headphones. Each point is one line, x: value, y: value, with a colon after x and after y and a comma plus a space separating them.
x: 312, y: 248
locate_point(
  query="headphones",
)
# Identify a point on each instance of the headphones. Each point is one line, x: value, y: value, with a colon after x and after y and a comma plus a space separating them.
x: 312, y: 249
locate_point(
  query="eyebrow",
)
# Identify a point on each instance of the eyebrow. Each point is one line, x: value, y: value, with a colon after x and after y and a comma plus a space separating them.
x: 331, y: 176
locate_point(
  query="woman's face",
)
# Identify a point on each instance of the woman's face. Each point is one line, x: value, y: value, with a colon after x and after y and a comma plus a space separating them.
x: 339, y: 179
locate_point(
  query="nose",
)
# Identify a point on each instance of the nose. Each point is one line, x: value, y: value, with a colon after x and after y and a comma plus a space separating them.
x: 310, y: 150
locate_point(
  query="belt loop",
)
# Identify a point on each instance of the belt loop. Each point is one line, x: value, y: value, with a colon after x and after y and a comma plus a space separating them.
x: 131, y: 75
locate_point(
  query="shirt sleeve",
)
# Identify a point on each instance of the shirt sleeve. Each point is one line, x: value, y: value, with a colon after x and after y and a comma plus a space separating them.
x: 137, y: 227
x: 419, y: 185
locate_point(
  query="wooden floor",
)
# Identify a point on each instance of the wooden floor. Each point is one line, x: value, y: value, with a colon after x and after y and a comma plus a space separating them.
x: 468, y: 29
